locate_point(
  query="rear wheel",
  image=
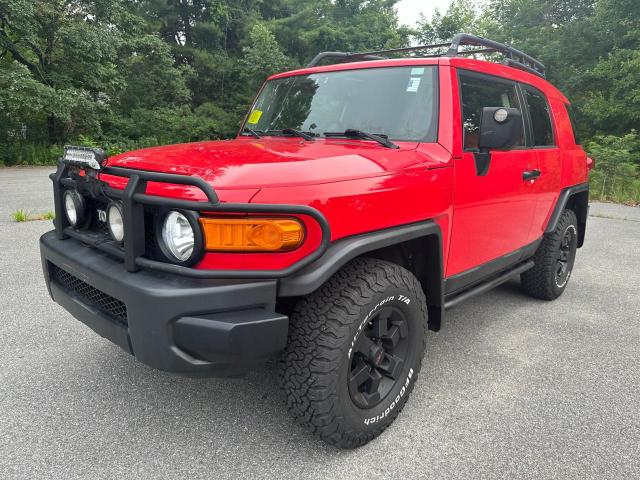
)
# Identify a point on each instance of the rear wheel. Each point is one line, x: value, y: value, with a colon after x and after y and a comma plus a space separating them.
x: 554, y: 260
x: 355, y: 349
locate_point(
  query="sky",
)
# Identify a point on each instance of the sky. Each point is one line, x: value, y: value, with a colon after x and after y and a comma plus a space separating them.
x: 409, y: 10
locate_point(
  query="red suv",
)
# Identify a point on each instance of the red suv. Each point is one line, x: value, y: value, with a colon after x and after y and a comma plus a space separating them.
x: 357, y: 204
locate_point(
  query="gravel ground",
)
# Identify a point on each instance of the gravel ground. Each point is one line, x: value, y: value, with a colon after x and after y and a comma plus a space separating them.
x: 512, y: 387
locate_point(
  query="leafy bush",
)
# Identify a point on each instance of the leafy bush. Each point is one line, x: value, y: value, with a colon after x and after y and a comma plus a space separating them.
x: 29, y: 154
x: 617, y: 174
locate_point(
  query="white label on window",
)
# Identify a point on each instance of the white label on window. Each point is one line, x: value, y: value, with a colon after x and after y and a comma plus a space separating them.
x: 417, y: 71
x: 414, y: 84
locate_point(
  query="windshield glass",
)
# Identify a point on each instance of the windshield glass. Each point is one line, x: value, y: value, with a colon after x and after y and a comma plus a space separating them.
x: 398, y: 102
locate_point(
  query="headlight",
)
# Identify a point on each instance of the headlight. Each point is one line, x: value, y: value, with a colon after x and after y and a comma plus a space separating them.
x: 114, y: 221
x: 74, y: 207
x: 178, y: 236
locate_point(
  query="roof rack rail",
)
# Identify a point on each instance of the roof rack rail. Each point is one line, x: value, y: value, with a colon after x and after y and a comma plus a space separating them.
x: 513, y: 57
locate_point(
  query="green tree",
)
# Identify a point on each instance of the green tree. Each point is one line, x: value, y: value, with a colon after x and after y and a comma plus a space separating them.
x: 262, y: 57
x: 62, y: 56
x: 133, y: 73
x: 305, y: 27
x: 461, y: 16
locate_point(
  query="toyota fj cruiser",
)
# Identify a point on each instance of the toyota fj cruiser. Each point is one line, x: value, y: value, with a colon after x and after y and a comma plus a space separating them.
x: 359, y: 202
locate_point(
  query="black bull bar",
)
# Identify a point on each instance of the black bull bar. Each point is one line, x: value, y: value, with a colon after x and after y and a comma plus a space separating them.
x: 133, y: 199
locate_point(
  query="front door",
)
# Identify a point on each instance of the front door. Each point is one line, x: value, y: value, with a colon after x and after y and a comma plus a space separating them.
x: 492, y: 213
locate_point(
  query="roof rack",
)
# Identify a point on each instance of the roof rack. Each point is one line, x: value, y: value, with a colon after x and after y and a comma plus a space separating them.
x: 513, y: 57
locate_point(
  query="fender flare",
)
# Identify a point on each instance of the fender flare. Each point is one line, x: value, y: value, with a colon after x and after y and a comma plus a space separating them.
x: 576, y: 198
x: 311, y: 277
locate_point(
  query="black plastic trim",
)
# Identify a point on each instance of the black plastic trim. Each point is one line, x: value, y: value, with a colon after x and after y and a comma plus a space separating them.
x: 464, y: 280
x: 561, y: 204
x: 580, y: 205
x: 168, y: 316
x: 531, y: 174
x: 232, y: 337
x: 342, y: 251
x: 488, y: 284
x: 93, y: 318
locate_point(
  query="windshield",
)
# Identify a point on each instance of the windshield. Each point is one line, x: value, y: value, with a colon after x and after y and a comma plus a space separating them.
x: 398, y: 102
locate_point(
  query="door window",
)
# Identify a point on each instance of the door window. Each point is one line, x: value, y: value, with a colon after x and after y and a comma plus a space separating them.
x: 540, y: 117
x: 479, y: 92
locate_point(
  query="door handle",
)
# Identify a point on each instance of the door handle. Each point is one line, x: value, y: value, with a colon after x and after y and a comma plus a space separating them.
x: 531, y: 174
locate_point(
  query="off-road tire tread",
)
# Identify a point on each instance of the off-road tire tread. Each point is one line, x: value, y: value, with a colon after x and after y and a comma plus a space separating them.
x: 539, y: 280
x: 319, y: 329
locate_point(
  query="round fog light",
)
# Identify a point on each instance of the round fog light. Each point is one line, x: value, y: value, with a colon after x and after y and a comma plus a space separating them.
x: 115, y: 222
x: 74, y: 207
x: 178, y: 236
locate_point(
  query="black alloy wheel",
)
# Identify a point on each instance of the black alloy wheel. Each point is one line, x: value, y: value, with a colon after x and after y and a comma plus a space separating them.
x: 378, y: 357
x: 553, y: 260
x: 566, y: 256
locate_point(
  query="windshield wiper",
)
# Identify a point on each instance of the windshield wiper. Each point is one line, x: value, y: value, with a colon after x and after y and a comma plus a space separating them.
x: 350, y: 132
x: 252, y: 132
x: 295, y: 133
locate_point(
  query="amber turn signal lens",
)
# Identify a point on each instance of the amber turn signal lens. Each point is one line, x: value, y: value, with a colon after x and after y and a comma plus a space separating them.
x: 252, y: 234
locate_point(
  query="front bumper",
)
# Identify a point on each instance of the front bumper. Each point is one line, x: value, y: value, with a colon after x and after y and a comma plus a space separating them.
x: 169, y: 322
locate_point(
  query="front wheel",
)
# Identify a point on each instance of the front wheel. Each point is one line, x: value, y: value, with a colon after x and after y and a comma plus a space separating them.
x: 354, y: 351
x: 553, y: 260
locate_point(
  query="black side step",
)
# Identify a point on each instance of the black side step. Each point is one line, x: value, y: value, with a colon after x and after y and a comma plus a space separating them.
x: 488, y: 285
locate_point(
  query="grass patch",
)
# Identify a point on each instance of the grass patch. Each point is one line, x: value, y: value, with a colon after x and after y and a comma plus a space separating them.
x: 20, y: 216
x: 24, y: 216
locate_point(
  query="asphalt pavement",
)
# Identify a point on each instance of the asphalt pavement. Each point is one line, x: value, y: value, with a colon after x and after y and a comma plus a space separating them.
x: 511, y: 387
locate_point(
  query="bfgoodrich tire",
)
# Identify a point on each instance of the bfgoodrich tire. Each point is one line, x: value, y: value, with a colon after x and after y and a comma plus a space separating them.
x: 354, y: 352
x: 554, y: 260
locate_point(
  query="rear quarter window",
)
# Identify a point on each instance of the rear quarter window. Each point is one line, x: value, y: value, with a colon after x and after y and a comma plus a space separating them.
x: 541, y: 126
x: 574, y: 125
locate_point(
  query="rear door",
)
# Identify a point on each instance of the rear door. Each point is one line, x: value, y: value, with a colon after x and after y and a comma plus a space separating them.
x: 493, y: 212
x: 542, y: 140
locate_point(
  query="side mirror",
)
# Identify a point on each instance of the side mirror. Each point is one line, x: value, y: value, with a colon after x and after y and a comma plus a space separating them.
x: 500, y: 129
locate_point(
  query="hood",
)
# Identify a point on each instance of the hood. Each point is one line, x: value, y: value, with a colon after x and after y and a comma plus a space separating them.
x: 248, y: 163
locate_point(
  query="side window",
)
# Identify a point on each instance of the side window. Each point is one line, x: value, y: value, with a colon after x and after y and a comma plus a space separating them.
x: 574, y: 125
x: 540, y: 117
x: 480, y: 92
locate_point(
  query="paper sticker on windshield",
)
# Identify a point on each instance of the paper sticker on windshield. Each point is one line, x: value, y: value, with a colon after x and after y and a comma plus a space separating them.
x: 417, y: 71
x: 414, y: 84
x: 255, y: 116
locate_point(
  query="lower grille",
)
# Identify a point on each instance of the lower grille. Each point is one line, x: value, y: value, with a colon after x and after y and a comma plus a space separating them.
x: 108, y: 305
